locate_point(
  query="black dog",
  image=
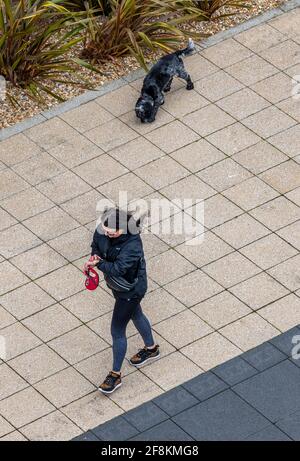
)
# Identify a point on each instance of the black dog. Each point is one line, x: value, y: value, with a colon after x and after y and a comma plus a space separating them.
x: 159, y: 80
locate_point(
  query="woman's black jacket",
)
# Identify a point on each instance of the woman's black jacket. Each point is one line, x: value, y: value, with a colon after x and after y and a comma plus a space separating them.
x: 122, y: 256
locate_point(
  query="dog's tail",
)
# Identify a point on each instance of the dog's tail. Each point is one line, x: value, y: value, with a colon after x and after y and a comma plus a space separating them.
x: 188, y: 50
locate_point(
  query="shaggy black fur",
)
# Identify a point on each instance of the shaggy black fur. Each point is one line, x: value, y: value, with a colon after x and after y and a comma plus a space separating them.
x: 159, y: 80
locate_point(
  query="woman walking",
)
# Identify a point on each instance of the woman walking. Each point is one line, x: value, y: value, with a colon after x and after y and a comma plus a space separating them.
x: 117, y: 251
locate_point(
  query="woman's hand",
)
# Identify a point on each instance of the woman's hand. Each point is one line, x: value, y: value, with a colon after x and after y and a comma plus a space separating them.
x: 93, y: 261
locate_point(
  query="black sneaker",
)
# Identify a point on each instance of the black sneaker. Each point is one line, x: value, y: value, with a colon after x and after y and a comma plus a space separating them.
x: 111, y: 383
x: 145, y: 356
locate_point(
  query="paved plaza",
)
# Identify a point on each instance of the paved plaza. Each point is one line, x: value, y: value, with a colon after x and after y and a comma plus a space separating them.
x: 233, y: 141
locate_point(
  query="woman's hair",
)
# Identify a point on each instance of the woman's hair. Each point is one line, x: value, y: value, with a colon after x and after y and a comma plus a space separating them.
x: 130, y: 221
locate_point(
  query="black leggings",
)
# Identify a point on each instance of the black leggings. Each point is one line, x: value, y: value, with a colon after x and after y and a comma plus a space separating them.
x: 124, y: 311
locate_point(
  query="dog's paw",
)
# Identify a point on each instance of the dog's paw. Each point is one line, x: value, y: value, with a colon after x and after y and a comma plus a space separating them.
x: 190, y: 86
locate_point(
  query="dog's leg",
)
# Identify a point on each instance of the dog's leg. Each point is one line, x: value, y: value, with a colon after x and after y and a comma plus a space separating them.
x: 182, y: 73
x: 168, y: 85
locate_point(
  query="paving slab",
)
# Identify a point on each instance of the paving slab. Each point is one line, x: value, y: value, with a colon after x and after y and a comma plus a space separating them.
x: 116, y: 429
x: 145, y: 416
x: 224, y: 417
x: 264, y: 356
x: 175, y: 401
x: 274, y: 392
x: 290, y: 425
x: 284, y: 341
x: 234, y: 371
x: 167, y: 431
x: 269, y: 434
x: 205, y: 386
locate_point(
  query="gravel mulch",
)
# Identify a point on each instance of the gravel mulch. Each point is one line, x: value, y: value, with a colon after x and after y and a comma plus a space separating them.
x: 11, y: 114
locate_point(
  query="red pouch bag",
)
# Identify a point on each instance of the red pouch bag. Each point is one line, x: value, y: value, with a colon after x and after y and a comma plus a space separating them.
x: 92, y: 279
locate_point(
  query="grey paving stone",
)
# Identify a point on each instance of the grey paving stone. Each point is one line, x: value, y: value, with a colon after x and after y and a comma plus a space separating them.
x: 86, y: 437
x: 264, y: 356
x: 111, y: 86
x: 22, y: 126
x: 135, y: 75
x: 117, y: 429
x: 296, y: 349
x: 71, y: 104
x: 274, y: 392
x: 205, y: 386
x: 268, y: 434
x: 291, y: 425
x: 145, y: 416
x: 296, y: 361
x: 166, y: 431
x: 234, y: 371
x: 217, y: 38
x: 270, y: 14
x: 175, y: 401
x: 84, y: 98
x: 290, y: 5
x: 284, y: 342
x: 223, y: 417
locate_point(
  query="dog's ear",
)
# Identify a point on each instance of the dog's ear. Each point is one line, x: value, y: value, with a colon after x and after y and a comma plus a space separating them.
x: 139, y: 103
